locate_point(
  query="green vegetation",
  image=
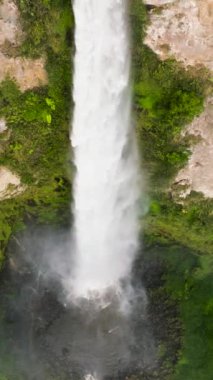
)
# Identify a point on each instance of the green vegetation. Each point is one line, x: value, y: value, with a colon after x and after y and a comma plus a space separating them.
x: 39, y: 132
x: 47, y: 24
x: 197, y: 313
x: 10, y: 220
x: 38, y: 147
x: 183, y: 240
x: 164, y: 107
x: 166, y: 98
x: 189, y: 224
x: 187, y: 279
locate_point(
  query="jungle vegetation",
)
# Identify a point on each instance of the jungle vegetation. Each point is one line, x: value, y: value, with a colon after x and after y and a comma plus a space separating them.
x: 179, y: 235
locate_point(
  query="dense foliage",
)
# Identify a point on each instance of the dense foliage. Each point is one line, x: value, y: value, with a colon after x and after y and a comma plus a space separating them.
x: 47, y: 25
x: 37, y: 147
x: 177, y: 235
x: 166, y: 98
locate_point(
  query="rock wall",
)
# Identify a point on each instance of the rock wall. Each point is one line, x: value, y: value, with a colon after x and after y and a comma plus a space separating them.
x: 198, y: 173
x: 183, y: 29
x: 28, y: 73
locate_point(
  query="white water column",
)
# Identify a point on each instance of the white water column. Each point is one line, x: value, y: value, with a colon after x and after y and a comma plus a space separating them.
x: 106, y: 188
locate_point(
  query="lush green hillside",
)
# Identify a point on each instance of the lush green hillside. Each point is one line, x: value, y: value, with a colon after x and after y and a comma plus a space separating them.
x: 38, y: 148
x: 178, y: 236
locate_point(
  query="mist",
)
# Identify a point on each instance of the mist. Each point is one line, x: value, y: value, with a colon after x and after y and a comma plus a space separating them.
x: 46, y: 337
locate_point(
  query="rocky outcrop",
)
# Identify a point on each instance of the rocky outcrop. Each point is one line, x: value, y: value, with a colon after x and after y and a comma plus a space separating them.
x: 10, y: 29
x: 3, y: 125
x: 182, y: 30
x: 198, y: 173
x: 158, y: 3
x: 10, y: 184
x: 28, y: 73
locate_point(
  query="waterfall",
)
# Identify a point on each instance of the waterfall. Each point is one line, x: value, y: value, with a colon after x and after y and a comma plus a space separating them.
x: 106, y: 188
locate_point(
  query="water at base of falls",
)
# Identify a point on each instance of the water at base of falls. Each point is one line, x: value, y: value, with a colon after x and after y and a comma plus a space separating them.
x: 90, y: 377
x: 45, y: 339
x: 106, y: 189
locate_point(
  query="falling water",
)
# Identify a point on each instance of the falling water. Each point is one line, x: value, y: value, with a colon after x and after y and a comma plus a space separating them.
x: 106, y: 183
x: 41, y: 335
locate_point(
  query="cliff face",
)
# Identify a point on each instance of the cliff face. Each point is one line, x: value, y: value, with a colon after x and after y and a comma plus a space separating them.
x: 35, y: 81
x: 28, y: 73
x: 198, y: 174
x: 184, y: 30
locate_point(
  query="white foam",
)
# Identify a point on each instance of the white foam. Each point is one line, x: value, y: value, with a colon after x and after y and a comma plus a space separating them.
x: 106, y: 188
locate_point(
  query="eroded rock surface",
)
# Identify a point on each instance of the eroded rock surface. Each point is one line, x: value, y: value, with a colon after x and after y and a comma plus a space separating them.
x: 28, y: 73
x: 158, y: 3
x: 198, y: 174
x: 10, y: 184
x: 3, y: 125
x: 183, y: 30
x: 9, y: 23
